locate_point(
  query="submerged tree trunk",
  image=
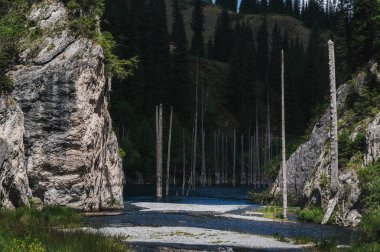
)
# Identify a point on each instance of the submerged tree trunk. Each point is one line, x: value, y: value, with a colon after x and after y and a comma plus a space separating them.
x: 159, y: 151
x: 195, y: 127
x: 334, y: 183
x: 183, y: 162
x: 257, y: 150
x: 169, y: 150
x: 284, y: 170
x: 242, y: 172
x: 234, y: 162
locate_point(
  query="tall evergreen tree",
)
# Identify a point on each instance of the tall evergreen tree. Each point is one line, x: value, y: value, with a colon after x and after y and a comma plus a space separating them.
x: 197, y: 25
x: 264, y: 6
x: 245, y: 6
x: 365, y: 29
x: 223, y: 38
x: 242, y: 87
x: 263, y: 51
x: 297, y: 9
x: 276, y: 6
x: 180, y: 87
x: 289, y: 7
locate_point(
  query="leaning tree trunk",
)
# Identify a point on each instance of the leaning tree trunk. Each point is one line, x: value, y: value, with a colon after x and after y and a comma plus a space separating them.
x: 284, y: 170
x: 169, y: 149
x: 159, y: 151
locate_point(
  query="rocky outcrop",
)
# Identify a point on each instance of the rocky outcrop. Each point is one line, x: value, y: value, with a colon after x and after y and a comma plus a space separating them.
x: 308, y: 167
x: 309, y: 155
x: 14, y: 187
x: 71, y: 152
x: 373, y: 141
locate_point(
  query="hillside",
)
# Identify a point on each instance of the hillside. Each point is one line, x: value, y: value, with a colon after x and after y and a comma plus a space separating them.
x: 293, y: 26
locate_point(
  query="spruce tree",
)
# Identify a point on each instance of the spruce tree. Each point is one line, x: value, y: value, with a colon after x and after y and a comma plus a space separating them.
x: 263, y: 51
x: 223, y: 38
x: 264, y: 6
x: 245, y: 6
x: 365, y: 29
x: 180, y: 86
x: 197, y: 25
x: 297, y: 9
x: 289, y: 7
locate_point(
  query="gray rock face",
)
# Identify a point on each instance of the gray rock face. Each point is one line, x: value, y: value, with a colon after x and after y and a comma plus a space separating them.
x: 71, y: 153
x: 308, y: 167
x: 14, y: 187
x: 373, y: 141
x: 309, y: 155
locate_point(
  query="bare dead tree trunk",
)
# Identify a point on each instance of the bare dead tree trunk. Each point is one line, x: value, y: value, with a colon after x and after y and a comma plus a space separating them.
x: 242, y: 172
x: 159, y: 150
x: 257, y: 148
x: 195, y: 126
x: 249, y: 155
x: 234, y: 162
x: 222, y: 151
x: 204, y: 178
x: 334, y: 183
x: 284, y: 169
x: 226, y: 163
x: 183, y: 161
x: 215, y: 158
x: 203, y: 163
x: 253, y: 160
x: 169, y: 152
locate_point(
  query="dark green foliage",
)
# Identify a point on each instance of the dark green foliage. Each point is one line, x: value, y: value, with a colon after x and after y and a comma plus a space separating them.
x: 179, y: 64
x: 197, y: 25
x: 348, y: 148
x: 30, y: 230
x: 365, y: 29
x: 289, y: 7
x: 276, y: 6
x: 370, y: 185
x: 263, y: 52
x: 12, y: 27
x: 228, y: 4
x: 242, y: 87
x: 312, y: 214
x: 223, y: 38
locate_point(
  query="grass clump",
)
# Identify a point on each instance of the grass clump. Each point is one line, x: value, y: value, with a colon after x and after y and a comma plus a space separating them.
x: 311, y: 214
x: 31, y: 230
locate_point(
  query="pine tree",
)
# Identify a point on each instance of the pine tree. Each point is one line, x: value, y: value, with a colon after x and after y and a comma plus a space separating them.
x: 180, y: 85
x: 197, y: 23
x: 245, y: 6
x: 365, y: 29
x: 289, y: 7
x: 263, y: 52
x: 223, y: 38
x: 276, y: 6
x: 297, y: 9
x: 264, y: 6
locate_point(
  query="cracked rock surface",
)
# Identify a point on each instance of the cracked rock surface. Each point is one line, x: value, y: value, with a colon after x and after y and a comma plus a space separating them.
x: 70, y: 150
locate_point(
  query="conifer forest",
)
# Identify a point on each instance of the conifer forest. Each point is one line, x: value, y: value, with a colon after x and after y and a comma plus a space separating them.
x: 189, y: 125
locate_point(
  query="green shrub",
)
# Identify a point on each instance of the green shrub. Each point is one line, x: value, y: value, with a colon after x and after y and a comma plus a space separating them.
x: 311, y: 214
x: 30, y: 230
x: 370, y: 185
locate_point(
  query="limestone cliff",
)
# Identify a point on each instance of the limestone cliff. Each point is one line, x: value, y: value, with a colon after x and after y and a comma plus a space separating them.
x: 70, y: 152
x: 308, y: 166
